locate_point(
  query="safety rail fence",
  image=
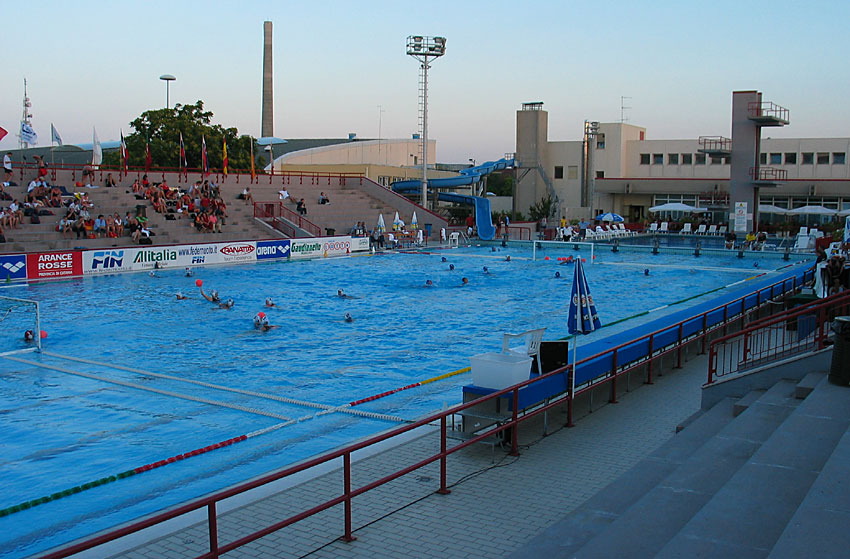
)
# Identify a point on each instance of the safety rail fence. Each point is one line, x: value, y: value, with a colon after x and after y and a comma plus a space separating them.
x: 792, y: 332
x: 285, y: 220
x: 98, y: 173
x: 761, y: 109
x: 596, y: 370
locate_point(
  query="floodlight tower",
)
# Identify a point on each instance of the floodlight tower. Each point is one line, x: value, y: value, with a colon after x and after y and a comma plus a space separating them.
x: 424, y: 49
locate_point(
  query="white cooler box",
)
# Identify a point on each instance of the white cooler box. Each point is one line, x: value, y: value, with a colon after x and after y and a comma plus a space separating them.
x: 500, y: 370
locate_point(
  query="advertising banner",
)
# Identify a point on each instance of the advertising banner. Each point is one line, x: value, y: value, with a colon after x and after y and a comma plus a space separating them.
x: 51, y: 265
x: 13, y: 267
x: 273, y: 249
x: 359, y: 244
x: 324, y: 247
x: 306, y: 248
x: 740, y: 217
x: 182, y: 256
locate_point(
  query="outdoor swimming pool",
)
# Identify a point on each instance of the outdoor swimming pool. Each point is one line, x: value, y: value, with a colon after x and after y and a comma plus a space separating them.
x: 61, y: 430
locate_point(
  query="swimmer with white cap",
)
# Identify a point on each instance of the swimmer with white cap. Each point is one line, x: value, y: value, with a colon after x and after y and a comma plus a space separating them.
x: 189, y: 272
x: 348, y: 317
x: 29, y: 336
x: 269, y: 302
x: 180, y: 296
x: 261, y: 322
x: 212, y: 297
x: 226, y: 304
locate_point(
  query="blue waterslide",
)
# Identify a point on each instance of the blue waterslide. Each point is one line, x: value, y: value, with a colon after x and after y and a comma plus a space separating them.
x: 469, y: 176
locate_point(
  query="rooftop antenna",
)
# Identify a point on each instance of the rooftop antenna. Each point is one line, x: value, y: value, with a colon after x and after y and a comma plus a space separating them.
x: 623, y: 108
x: 25, y: 133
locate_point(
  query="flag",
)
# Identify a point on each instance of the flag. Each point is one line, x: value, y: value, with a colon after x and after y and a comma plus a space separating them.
x: 54, y: 135
x: 147, y: 156
x: 182, y: 153
x: 204, y: 167
x: 124, y: 155
x: 28, y: 135
x: 96, y: 151
x: 224, y: 156
x: 253, y: 172
x: 3, y: 132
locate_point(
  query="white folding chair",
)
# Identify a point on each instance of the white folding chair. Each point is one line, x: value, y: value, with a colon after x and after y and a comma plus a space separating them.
x: 687, y: 229
x: 533, y: 339
x: 663, y: 227
x: 721, y: 230
x: 653, y: 227
x: 712, y: 230
x: 701, y: 230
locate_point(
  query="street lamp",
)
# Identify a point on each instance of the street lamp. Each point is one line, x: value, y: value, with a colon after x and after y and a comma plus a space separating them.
x: 423, y: 49
x: 167, y: 78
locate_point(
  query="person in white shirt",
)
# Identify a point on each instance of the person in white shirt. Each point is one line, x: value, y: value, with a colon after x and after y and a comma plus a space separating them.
x: 7, y: 166
x: 283, y: 194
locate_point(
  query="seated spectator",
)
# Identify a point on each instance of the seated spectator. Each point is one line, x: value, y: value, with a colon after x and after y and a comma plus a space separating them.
x: 301, y: 207
x: 246, y: 195
x: 56, y: 197
x: 79, y: 227
x: 214, y: 223
x: 284, y: 194
x: 65, y: 226
x: 110, y: 181
x: 118, y: 225
x: 323, y: 199
x: 99, y: 226
x: 137, y: 187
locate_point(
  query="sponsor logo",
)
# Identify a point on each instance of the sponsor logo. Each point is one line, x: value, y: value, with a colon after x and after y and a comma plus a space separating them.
x: 13, y: 267
x: 198, y: 259
x: 54, y: 264
x: 163, y: 255
x: 312, y: 247
x: 63, y: 261
x: 197, y: 250
x: 107, y: 259
x: 237, y: 249
x: 337, y: 246
x: 273, y: 249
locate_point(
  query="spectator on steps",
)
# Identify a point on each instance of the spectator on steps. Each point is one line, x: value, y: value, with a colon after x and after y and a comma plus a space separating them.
x: 247, y: 196
x: 323, y: 199
x: 284, y: 194
x: 301, y: 207
x: 110, y: 181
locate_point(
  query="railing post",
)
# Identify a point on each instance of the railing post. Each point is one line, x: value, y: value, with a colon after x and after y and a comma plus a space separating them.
x: 821, y: 326
x: 613, y: 398
x: 651, y: 359
x: 679, y: 352
x: 346, y: 466
x: 712, y: 362
x: 725, y: 317
x: 515, y: 425
x: 704, y: 332
x: 212, y: 526
x: 443, y: 490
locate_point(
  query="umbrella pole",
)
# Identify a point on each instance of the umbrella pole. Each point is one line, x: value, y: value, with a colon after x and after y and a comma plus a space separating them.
x: 572, y: 384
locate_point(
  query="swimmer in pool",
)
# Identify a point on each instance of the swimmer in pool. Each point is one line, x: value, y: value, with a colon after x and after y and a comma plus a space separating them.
x: 429, y: 283
x: 348, y: 317
x: 152, y: 274
x: 269, y: 302
x: 189, y: 272
x: 180, y: 296
x: 343, y: 295
x: 557, y: 274
x: 226, y: 304
x: 646, y: 271
x: 29, y: 336
x: 465, y: 281
x: 212, y: 297
x: 486, y: 270
x: 443, y: 259
x: 261, y: 322
x: 508, y: 258
x: 451, y: 266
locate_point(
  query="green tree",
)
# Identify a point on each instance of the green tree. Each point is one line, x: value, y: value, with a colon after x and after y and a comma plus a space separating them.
x: 541, y: 209
x: 162, y: 128
x: 501, y: 183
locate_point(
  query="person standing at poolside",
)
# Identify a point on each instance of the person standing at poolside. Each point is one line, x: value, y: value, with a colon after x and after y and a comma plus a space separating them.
x: 7, y: 166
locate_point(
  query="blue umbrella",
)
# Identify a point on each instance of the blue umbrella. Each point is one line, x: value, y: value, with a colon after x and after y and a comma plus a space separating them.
x: 583, y: 318
x: 611, y: 216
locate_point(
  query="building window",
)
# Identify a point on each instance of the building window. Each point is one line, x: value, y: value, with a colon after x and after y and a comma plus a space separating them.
x: 823, y: 159
x: 838, y: 158
x: 776, y: 159
x: 790, y: 158
x: 600, y: 174
x: 672, y: 158
x: 762, y: 159
x: 687, y: 159
x: 699, y: 159
x: 642, y: 135
x: 808, y: 158
x: 572, y: 172
x: 658, y: 159
x: 559, y: 172
x: 600, y: 141
x: 644, y: 159
x: 716, y: 160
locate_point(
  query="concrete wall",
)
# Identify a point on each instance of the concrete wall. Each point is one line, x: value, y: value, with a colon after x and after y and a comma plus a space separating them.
x: 532, y: 137
x: 391, y: 153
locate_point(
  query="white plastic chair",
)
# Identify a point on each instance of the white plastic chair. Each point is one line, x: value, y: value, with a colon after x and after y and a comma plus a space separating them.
x: 804, y: 231
x: 653, y: 227
x: 454, y: 239
x: 687, y: 229
x: 712, y: 230
x: 533, y: 339
x: 663, y: 227
x: 721, y: 230
x: 701, y: 230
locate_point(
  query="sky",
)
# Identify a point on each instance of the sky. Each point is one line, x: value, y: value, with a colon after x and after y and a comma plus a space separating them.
x: 341, y: 67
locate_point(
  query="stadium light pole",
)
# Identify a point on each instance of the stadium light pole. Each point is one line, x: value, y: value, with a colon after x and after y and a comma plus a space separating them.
x: 167, y: 78
x: 424, y: 49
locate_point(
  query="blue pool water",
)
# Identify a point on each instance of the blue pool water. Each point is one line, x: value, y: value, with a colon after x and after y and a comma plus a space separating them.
x: 60, y: 430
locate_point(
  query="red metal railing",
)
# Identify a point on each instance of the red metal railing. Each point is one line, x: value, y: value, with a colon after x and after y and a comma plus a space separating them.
x: 789, y: 333
x: 715, y: 144
x: 732, y: 312
x: 276, y: 212
x: 768, y: 174
x: 769, y: 109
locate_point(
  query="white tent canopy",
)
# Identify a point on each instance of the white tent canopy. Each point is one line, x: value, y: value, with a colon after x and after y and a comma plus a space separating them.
x: 676, y: 207
x: 812, y: 210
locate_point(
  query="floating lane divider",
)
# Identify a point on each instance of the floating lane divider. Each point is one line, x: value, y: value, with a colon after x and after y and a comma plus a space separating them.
x: 414, y: 385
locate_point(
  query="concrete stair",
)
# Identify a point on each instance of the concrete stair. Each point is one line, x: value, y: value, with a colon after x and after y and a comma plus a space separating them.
x: 771, y: 480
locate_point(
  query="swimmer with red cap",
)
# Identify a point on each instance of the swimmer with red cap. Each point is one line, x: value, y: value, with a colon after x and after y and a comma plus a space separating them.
x: 261, y: 322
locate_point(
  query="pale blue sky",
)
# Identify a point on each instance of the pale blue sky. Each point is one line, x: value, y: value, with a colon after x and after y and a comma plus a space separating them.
x: 97, y: 63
